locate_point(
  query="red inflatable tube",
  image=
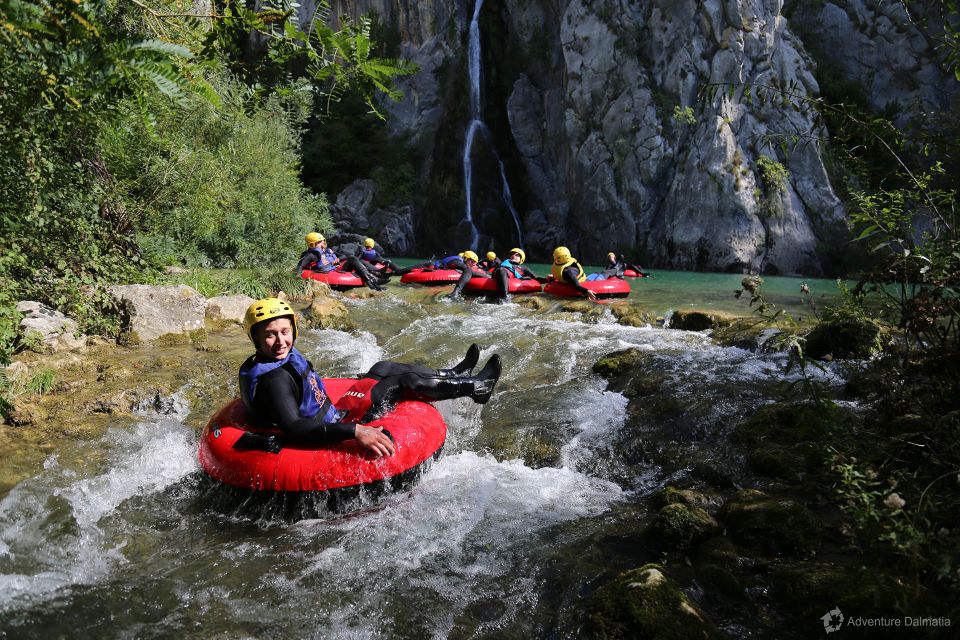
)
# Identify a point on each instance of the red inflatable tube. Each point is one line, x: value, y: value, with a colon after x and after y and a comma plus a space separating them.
x: 338, y: 280
x: 514, y: 285
x: 431, y: 276
x: 630, y: 273
x: 417, y: 429
x: 609, y: 288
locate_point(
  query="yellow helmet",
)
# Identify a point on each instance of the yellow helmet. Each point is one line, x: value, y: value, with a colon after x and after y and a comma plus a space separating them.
x: 491, y: 255
x: 561, y: 255
x: 611, y: 256
x: 265, y: 310
x: 313, y: 237
x: 470, y: 255
x: 523, y: 256
x: 368, y: 243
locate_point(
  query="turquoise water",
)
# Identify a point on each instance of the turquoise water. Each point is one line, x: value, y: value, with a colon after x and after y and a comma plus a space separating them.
x: 668, y: 291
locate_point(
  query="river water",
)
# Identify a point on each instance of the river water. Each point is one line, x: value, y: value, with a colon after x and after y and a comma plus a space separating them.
x: 538, y: 497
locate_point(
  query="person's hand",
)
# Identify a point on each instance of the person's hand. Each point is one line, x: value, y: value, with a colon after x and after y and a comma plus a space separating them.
x: 591, y: 295
x: 374, y: 439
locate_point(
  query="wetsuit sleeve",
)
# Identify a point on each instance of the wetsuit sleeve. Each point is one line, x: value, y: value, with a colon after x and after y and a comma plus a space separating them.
x: 527, y: 272
x: 570, y: 277
x: 305, y: 261
x: 278, y: 400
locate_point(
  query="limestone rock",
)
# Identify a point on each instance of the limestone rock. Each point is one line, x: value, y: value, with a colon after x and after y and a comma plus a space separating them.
x: 227, y: 308
x: 155, y: 311
x: 52, y: 330
x: 328, y: 313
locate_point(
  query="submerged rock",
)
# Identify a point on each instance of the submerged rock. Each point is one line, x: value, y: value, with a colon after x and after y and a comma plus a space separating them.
x: 619, y: 363
x: 695, y: 320
x: 679, y: 526
x: 645, y: 604
x: 769, y: 524
x: 784, y: 440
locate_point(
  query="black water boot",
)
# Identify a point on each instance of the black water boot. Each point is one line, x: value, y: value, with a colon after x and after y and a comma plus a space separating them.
x: 486, y: 380
x: 478, y: 388
x: 465, y: 367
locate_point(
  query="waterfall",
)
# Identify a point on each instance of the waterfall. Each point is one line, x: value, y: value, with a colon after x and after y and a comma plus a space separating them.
x: 477, y: 124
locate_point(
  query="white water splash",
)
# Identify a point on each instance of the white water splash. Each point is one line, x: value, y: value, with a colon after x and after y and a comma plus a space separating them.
x: 52, y: 523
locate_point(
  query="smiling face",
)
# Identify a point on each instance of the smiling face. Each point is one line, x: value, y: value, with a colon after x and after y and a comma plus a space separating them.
x: 274, y: 339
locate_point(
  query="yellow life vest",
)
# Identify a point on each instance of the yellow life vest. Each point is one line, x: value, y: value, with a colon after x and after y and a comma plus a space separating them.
x: 557, y: 270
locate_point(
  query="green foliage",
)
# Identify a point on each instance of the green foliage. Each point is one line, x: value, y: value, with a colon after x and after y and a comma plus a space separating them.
x: 213, y: 186
x: 256, y: 283
x: 127, y: 145
x: 773, y: 174
x: 684, y: 115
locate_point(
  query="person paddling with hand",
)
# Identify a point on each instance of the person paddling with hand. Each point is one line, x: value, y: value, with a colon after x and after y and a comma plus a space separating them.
x: 566, y: 269
x: 280, y: 388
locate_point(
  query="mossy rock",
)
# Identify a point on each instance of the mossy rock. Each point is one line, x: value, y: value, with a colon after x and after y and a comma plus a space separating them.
x: 632, y: 317
x: 846, y: 338
x: 811, y: 589
x: 645, y: 604
x: 535, y: 450
x: 768, y: 524
x: 786, y: 463
x: 679, y: 526
x: 328, y: 313
x: 582, y: 306
x: 619, y: 363
x: 745, y: 333
x: 696, y: 320
x: 535, y: 303
x: 643, y: 385
x: 790, y: 422
x: 673, y: 495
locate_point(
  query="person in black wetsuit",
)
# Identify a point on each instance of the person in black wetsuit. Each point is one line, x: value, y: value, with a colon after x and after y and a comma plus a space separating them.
x: 280, y: 389
x: 616, y: 268
x: 467, y: 266
x: 566, y: 269
x: 318, y: 257
x: 512, y: 267
x: 370, y: 258
x: 490, y: 262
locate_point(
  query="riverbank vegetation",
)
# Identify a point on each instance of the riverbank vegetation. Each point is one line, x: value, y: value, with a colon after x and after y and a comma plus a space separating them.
x: 141, y: 134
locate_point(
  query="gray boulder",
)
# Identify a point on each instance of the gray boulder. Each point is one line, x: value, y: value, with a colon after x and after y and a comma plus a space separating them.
x: 51, y: 329
x: 227, y: 308
x: 155, y: 311
x: 356, y: 218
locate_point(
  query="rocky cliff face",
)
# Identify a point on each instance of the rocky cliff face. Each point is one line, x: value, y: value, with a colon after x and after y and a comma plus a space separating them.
x: 589, y: 104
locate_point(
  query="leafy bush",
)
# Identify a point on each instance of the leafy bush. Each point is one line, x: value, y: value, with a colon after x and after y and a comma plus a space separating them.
x: 217, y: 187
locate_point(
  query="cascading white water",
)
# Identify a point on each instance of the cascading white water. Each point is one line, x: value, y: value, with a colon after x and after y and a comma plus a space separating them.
x: 477, y: 124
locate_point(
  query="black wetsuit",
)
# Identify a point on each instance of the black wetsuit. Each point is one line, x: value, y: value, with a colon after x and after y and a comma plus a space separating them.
x: 312, y: 258
x: 276, y: 402
x: 466, y: 274
x: 278, y: 395
x: 503, y: 274
x: 617, y: 267
x: 570, y: 277
x: 308, y: 258
x: 371, y: 258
